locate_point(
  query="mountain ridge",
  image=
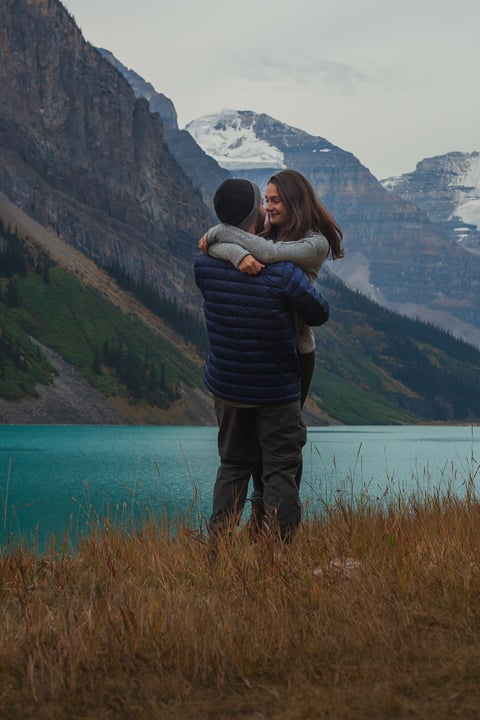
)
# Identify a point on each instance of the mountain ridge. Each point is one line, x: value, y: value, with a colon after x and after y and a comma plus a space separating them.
x: 202, y: 169
x: 395, y: 253
x: 447, y: 187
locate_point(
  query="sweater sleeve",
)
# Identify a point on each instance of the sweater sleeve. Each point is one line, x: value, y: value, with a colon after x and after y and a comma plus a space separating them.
x: 228, y: 251
x: 308, y: 253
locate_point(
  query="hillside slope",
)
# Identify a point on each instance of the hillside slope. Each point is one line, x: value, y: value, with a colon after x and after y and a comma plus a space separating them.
x: 70, y: 398
x: 67, y: 400
x: 373, y: 367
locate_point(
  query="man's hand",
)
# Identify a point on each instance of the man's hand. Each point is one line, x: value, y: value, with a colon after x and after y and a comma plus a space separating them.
x: 250, y: 265
x: 202, y: 244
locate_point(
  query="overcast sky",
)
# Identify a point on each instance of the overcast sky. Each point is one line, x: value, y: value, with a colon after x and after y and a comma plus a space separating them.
x: 392, y: 81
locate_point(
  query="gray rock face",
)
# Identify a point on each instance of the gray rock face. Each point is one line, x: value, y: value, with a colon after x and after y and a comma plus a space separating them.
x: 447, y: 187
x: 143, y: 89
x: 203, y: 171
x: 83, y: 156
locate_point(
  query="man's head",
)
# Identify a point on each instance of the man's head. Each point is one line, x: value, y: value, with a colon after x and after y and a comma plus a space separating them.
x: 239, y: 202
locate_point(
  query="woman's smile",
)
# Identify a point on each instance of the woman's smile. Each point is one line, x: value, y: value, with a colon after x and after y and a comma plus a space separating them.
x: 274, y: 205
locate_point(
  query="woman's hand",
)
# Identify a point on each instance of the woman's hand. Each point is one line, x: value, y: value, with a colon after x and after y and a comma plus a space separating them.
x: 250, y: 265
x: 202, y: 244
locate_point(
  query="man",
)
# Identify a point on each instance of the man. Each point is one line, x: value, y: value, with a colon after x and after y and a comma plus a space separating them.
x: 253, y: 370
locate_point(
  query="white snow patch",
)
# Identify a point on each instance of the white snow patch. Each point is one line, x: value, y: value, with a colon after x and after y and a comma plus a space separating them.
x: 392, y: 183
x: 469, y: 212
x: 466, y: 188
x: 462, y: 233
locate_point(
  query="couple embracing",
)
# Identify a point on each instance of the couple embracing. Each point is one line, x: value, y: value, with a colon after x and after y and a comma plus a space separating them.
x: 256, y: 274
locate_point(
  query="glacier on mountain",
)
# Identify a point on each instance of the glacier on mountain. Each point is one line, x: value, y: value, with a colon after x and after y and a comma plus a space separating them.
x: 229, y: 137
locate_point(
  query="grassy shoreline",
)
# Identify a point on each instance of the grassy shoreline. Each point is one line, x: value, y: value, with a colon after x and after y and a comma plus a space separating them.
x: 372, y: 613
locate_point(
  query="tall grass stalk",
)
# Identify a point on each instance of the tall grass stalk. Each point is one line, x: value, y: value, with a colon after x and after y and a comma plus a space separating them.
x: 5, y: 495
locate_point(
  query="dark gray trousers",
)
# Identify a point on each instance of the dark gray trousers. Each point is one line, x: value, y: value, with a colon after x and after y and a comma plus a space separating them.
x: 281, y: 435
x: 307, y: 365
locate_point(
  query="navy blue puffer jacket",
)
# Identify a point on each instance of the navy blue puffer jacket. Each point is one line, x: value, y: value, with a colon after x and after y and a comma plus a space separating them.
x: 251, y: 328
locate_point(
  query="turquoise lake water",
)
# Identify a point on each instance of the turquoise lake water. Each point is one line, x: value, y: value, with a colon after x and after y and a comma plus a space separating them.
x: 54, y: 478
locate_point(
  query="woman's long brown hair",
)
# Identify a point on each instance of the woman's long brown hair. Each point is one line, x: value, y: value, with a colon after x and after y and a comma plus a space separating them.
x: 305, y: 212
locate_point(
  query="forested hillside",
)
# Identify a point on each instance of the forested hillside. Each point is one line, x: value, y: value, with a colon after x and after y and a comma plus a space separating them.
x: 117, y: 353
x: 373, y: 366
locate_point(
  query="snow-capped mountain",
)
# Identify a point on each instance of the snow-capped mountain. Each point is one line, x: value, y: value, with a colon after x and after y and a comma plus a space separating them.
x: 245, y: 140
x: 447, y: 187
x: 256, y: 145
x: 229, y: 136
x: 395, y: 253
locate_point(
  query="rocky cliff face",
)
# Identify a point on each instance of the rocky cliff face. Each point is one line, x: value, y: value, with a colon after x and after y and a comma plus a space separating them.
x: 158, y: 102
x: 394, y: 252
x: 447, y: 187
x: 85, y: 157
x: 204, y: 172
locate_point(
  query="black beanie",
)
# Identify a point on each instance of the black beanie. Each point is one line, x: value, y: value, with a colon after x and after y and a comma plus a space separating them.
x: 237, y: 202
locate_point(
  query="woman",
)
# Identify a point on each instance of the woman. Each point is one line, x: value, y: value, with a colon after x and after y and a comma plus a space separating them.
x: 299, y: 229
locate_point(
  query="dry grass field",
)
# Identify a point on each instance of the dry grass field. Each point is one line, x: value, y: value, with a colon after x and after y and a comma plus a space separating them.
x: 373, y: 612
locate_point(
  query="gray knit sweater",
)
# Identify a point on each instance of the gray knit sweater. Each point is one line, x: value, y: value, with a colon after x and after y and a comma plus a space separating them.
x: 226, y: 242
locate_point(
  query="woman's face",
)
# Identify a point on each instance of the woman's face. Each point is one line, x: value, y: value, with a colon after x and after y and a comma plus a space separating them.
x: 275, y: 207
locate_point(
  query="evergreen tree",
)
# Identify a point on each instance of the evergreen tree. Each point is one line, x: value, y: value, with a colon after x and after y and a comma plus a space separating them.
x: 12, y: 294
x: 97, y: 362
